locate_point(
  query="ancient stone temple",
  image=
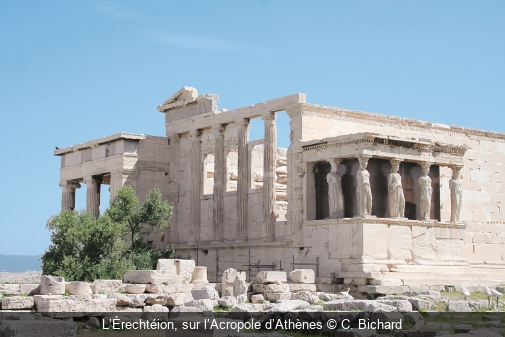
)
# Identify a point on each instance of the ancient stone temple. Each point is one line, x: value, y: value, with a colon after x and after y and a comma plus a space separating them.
x: 361, y: 198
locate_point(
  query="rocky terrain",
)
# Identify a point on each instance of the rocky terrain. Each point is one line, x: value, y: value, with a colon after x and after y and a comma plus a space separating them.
x: 178, y: 288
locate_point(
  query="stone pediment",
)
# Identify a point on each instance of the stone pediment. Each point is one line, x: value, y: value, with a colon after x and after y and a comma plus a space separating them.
x: 186, y: 103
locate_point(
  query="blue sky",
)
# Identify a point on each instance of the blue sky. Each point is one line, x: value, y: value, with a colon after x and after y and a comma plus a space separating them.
x: 72, y: 71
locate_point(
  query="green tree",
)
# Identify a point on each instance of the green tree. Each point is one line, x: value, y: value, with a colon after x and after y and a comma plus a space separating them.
x: 137, y: 217
x: 84, y: 248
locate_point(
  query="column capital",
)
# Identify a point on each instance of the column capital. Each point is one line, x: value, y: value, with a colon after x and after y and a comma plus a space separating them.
x: 69, y: 184
x: 243, y: 122
x: 456, y: 169
x: 195, y: 133
x: 268, y: 116
x: 87, y: 179
x: 363, y: 159
x: 173, y: 137
x: 395, y: 161
x: 217, y: 130
x: 334, y: 162
x: 425, y: 164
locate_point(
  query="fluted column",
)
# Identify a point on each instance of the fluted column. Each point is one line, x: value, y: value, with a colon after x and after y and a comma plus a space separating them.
x: 243, y: 176
x: 269, y: 160
x: 219, y: 181
x: 196, y: 184
x: 93, y: 195
x: 68, y: 194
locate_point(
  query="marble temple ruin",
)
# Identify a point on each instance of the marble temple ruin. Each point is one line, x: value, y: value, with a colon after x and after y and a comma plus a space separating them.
x: 363, y: 199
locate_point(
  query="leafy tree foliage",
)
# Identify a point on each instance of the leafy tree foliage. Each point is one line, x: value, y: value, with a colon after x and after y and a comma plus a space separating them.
x: 84, y: 248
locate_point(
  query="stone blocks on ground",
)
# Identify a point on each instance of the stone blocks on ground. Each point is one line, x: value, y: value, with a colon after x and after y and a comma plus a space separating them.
x: 257, y: 298
x: 52, y: 285
x: 76, y: 308
x: 266, y: 277
x: 181, y: 270
x: 278, y: 296
x: 205, y: 293
x: 176, y: 299
x: 9, y: 289
x: 271, y: 288
x: 297, y: 287
x: 418, y: 303
x: 135, y: 288
x: 200, y: 275
x: 203, y: 305
x: 106, y: 286
x: 17, y: 303
x: 227, y: 301
x: 29, y: 289
x: 78, y: 288
x: 148, y: 276
x: 302, y: 276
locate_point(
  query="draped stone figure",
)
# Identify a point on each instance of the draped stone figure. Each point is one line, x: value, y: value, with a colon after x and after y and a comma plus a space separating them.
x: 335, y: 195
x: 456, y: 187
x: 426, y: 191
x: 363, y: 190
x: 395, y: 189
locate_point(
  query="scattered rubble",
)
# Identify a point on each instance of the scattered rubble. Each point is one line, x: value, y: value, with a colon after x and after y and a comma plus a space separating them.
x: 171, y: 290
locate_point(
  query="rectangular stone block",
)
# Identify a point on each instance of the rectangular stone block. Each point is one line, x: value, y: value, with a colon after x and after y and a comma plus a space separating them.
x: 278, y: 296
x: 182, y: 270
x: 106, y: 286
x: 17, y: 303
x: 29, y: 289
x: 76, y: 308
x: 297, y: 287
x: 38, y: 298
x: 302, y: 276
x: 9, y: 289
x: 148, y: 276
x: 271, y: 277
x: 270, y: 288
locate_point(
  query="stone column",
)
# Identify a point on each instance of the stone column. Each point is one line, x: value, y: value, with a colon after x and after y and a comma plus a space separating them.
x: 196, y: 184
x: 93, y: 195
x: 173, y: 185
x: 456, y: 187
x: 426, y: 192
x: 269, y: 161
x: 68, y: 194
x: 243, y: 177
x: 335, y: 196
x: 396, y: 198
x: 363, y: 188
x: 219, y: 181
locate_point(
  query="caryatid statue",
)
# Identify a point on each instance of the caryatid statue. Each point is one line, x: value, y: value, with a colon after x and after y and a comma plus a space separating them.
x: 395, y: 192
x: 456, y: 187
x: 363, y: 190
x: 426, y: 192
x: 335, y: 195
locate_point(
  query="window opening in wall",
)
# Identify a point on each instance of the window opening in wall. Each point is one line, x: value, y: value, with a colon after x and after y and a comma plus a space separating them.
x: 208, y: 174
x: 232, y: 170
